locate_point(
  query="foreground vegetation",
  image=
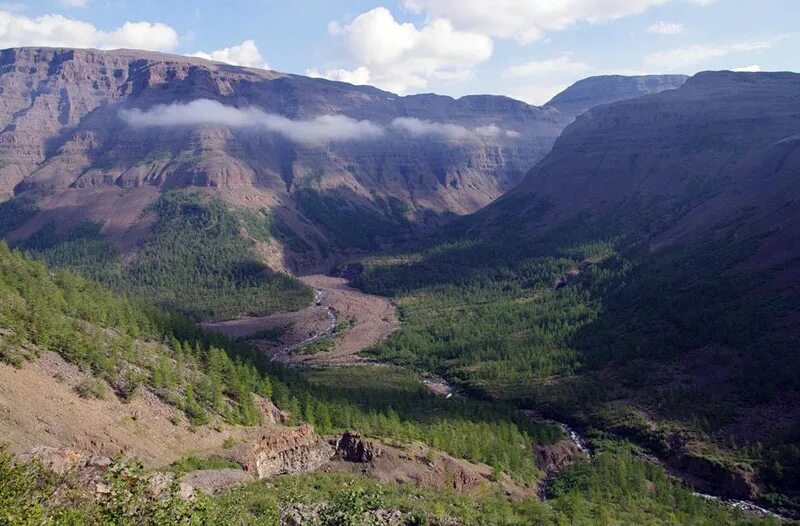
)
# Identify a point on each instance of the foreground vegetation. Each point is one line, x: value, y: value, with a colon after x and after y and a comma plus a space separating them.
x: 613, y: 489
x: 128, y: 345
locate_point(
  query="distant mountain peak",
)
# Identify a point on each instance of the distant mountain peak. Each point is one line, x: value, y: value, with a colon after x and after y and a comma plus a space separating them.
x: 605, y: 89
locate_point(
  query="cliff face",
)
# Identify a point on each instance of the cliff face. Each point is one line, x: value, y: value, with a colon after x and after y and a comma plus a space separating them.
x: 65, y: 145
x: 63, y: 141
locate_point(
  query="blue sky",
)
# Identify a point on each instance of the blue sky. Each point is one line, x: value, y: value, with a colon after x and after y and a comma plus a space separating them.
x: 528, y: 49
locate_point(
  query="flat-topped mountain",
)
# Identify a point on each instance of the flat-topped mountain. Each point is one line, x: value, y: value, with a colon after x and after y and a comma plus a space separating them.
x: 718, y: 146
x: 69, y: 130
x: 605, y: 89
x: 96, y: 135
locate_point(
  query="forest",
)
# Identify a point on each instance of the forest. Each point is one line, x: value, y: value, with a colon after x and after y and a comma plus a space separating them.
x: 196, y: 261
x: 585, y: 325
x: 145, y: 347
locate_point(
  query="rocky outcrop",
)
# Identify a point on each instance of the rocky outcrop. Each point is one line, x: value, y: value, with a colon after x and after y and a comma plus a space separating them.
x: 552, y: 458
x: 708, y: 475
x: 281, y: 451
x: 351, y: 448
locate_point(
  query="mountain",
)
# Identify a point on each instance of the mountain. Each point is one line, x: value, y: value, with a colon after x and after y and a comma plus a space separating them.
x: 91, y: 135
x: 643, y: 280
x: 65, y: 140
x: 722, y: 146
x: 605, y: 89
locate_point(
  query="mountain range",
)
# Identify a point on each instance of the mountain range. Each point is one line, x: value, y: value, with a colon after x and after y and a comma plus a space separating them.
x: 95, y: 136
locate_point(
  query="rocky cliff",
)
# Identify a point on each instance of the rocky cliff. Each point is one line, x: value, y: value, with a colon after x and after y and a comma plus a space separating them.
x: 65, y: 141
x: 96, y: 135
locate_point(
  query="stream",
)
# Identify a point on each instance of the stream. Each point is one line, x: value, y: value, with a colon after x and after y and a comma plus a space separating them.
x: 333, y: 320
x: 441, y: 387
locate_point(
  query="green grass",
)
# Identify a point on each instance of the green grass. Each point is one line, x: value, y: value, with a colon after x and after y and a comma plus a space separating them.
x: 189, y: 464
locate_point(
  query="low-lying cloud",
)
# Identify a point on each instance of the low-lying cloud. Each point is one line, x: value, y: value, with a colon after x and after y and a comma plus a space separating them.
x: 209, y: 112
x: 419, y: 128
x: 322, y: 129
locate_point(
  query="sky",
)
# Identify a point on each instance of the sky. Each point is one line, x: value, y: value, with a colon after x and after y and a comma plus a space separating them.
x: 526, y: 49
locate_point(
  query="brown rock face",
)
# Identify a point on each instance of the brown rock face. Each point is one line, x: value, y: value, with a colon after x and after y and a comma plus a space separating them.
x: 283, y: 451
x: 350, y: 448
x: 64, y: 144
x: 61, y: 133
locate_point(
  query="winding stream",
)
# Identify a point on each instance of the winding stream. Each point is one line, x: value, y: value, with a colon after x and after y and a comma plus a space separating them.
x: 441, y: 387
x: 333, y: 319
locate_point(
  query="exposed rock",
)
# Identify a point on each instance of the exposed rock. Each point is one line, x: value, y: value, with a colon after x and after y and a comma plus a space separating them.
x: 730, y: 481
x: 605, y: 89
x: 64, y: 145
x: 419, y: 465
x: 552, y: 458
x: 210, y: 481
x: 351, y: 448
x: 280, y: 451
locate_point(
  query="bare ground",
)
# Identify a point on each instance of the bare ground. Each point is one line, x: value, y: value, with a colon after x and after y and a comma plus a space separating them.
x: 39, y: 407
x: 375, y: 318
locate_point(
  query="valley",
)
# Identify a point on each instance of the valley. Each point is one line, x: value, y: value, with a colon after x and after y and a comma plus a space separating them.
x: 234, y: 295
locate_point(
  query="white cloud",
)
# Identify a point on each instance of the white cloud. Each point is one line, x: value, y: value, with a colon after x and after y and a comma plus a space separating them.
x: 358, y: 76
x: 755, y: 68
x: 75, y: 3
x: 422, y: 128
x: 696, y: 54
x: 209, y: 112
x: 665, y: 28
x: 400, y: 57
x: 17, y: 30
x: 561, y: 64
x: 245, y: 54
x: 529, y: 20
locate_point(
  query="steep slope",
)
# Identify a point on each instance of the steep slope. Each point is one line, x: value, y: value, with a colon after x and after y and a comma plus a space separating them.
x: 642, y: 280
x: 64, y: 141
x: 595, y: 91
x: 96, y: 135
x: 718, y: 147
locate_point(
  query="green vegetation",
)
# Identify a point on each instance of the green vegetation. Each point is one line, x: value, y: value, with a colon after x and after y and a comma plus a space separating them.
x: 31, y: 495
x: 365, y: 225
x: 128, y: 344
x: 14, y: 213
x: 197, y: 261
x: 611, y: 490
x: 584, y: 325
x: 189, y: 464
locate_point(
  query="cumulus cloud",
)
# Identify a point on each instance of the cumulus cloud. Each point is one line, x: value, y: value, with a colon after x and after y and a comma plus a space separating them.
x: 17, y: 30
x: 423, y: 128
x: 529, y: 20
x: 200, y: 112
x: 400, y: 57
x: 245, y: 54
x: 686, y: 56
x: 358, y: 76
x: 665, y: 28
